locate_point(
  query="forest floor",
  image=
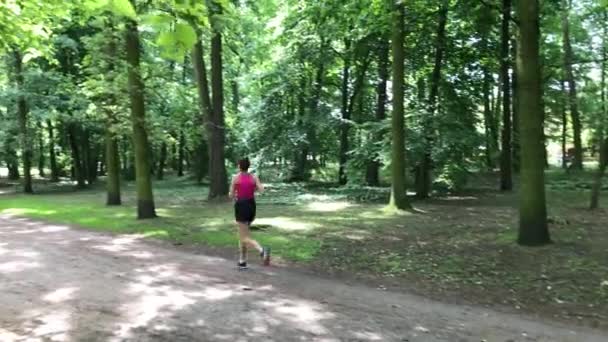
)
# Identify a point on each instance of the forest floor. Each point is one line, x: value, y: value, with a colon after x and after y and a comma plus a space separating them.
x: 456, y: 248
x: 61, y: 284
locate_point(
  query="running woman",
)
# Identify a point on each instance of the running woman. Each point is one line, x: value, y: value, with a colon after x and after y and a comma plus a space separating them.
x: 243, y: 188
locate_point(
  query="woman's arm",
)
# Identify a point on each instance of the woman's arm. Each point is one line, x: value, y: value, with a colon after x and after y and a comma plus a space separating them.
x: 232, y: 192
x: 258, y: 185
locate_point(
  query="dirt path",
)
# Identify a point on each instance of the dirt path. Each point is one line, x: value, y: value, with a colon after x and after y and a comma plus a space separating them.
x: 59, y: 284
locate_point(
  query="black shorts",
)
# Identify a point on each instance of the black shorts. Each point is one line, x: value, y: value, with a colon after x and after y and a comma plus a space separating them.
x: 244, y: 210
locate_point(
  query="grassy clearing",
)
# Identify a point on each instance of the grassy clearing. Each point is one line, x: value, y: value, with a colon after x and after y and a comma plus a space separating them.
x: 459, y: 246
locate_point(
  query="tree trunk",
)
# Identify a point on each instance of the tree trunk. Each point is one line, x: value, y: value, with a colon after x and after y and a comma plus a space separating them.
x: 577, y: 163
x: 12, y: 164
x: 597, y: 184
x: 13, y: 167
x: 153, y: 160
x: 497, y: 116
x: 564, y: 126
x: 112, y: 159
x: 88, y: 157
x: 218, y: 187
x: 10, y: 154
x: 202, y: 162
x: 423, y: 174
x: 344, y: 126
x: 126, y: 158
x: 487, y: 119
x: 236, y: 98
x: 515, y: 106
x: 543, y: 112
x: 22, y: 116
x: 160, y: 175
x: 41, y: 161
x: 491, y: 135
x: 603, y: 162
x: 399, y: 198
x: 102, y: 160
x: 145, y: 196
x: 533, y: 229
x: 52, y: 153
x: 506, y: 166
x: 94, y: 168
x: 205, y: 110
x: 373, y: 168
x: 112, y: 166
x: 180, y: 154
x: 79, y: 174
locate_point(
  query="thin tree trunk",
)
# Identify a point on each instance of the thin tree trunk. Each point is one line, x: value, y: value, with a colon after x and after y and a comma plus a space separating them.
x: 543, y: 111
x: 113, y: 168
x: 399, y: 198
x: 180, y: 154
x: 52, y: 153
x: 423, y: 176
x: 41, y: 161
x: 491, y: 143
x: 153, y: 161
x: 533, y: 229
x: 75, y: 144
x: 112, y: 158
x: 573, y: 97
x: 515, y: 106
x: 102, y: 160
x: 145, y: 196
x: 87, y: 156
x: 506, y: 166
x: 603, y: 159
x: 10, y: 154
x: 597, y: 184
x: 373, y: 168
x: 497, y: 116
x: 342, y: 179
x: 564, y: 126
x: 13, y: 166
x: 160, y: 175
x: 487, y: 119
x: 217, y: 168
x: 22, y: 115
x: 236, y: 98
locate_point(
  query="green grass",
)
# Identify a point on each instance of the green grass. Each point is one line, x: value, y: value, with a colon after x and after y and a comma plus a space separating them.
x: 185, y: 216
x: 458, y: 246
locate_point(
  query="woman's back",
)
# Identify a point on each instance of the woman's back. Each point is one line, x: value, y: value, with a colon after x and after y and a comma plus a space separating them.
x: 245, y: 186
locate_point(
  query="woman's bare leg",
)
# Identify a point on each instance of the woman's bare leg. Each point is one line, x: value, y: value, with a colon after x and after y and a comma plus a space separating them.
x: 245, y: 241
x: 243, y: 252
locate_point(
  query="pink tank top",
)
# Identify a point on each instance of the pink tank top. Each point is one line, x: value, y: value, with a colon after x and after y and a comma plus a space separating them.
x: 245, y: 186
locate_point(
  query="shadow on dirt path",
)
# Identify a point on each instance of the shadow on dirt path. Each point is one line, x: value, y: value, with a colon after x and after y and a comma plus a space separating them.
x: 60, y: 284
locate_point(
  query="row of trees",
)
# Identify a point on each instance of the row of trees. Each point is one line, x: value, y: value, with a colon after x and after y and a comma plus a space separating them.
x: 474, y: 85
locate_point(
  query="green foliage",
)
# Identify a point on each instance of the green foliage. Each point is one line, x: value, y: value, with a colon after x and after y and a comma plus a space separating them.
x: 283, y: 68
x: 118, y: 7
x: 177, y: 42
